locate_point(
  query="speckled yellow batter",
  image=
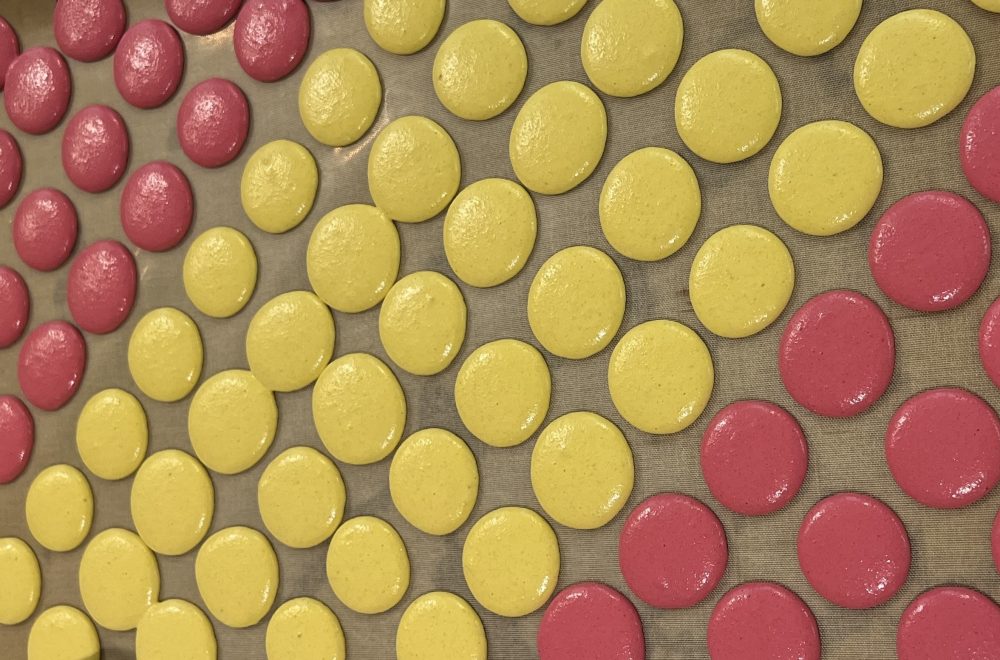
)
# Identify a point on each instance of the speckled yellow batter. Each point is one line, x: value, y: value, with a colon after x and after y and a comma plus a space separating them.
x: 339, y: 96
x: 479, y: 70
x: 301, y: 497
x: 650, y: 204
x: 434, y: 481
x: 220, y: 272
x: 581, y: 470
x: 422, y: 322
x: 413, y: 169
x: 403, y: 26
x: 304, y: 629
x: 119, y: 579
x: 502, y: 392
x: 825, y: 177
x: 988, y: 5
x: 661, y: 376
x: 172, y: 502
x: 290, y: 340
x: 59, y: 508
x: 367, y: 565
x: 165, y: 354
x: 174, y: 629
x: 231, y: 421
x: 741, y: 279
x: 489, y: 232
x: 576, y: 302
x: 438, y: 625
x: 546, y: 12
x: 558, y: 137
x: 807, y: 27
x: 237, y: 575
x: 63, y: 633
x: 511, y: 561
x: 629, y: 47
x: 728, y: 106
x: 21, y: 580
x: 112, y: 434
x: 914, y: 68
x: 359, y: 409
x: 353, y: 257
x: 278, y: 187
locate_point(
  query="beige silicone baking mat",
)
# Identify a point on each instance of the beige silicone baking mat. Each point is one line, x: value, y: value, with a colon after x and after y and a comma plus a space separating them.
x: 932, y: 350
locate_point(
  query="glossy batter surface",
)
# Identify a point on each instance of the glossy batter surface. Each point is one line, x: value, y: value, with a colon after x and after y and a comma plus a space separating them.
x: 45, y: 229
x: 37, y: 90
x: 212, y: 122
x: 576, y: 302
x: 511, y: 561
x: 581, y: 470
x: 403, y: 26
x: 301, y: 497
x: 165, y: 354
x: 989, y: 342
x: 279, y: 186
x: 422, y: 322
x: 914, y: 68
x: 949, y: 622
x: 546, y: 12
x: 172, y: 629
x: 289, y: 341
x: 112, y: 434
x: 661, y: 376
x: 149, y: 64
x: 63, y: 633
x: 21, y: 579
x: 237, y: 575
x: 980, y: 144
x: 172, y: 502
x: 270, y: 37
x: 201, y: 16
x: 10, y: 47
x: 15, y: 303
x: 367, y: 565
x: 11, y: 167
x: 119, y: 579
x: 807, y: 27
x: 88, y: 30
x: 440, y: 624
x: 101, y: 286
x: 339, y: 96
x: 59, y: 508
x: 728, y: 106
x: 51, y: 364
x: 434, y: 481
x: 741, y: 280
x: 590, y: 620
x: 825, y: 177
x: 157, y: 206
x: 220, y: 272
x: 762, y: 620
x: 558, y: 137
x: 502, y: 392
x: 304, y: 629
x: 95, y: 148
x: 17, y: 437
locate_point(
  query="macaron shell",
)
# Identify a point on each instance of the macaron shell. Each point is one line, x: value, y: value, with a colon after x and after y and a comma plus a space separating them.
x: 949, y: 623
x: 45, y: 229
x: 735, y: 630
x: 95, y: 148
x: 212, y: 122
x: 11, y: 167
x: 17, y: 437
x: 157, y: 206
x: 590, y: 620
x: 201, y: 16
x: 149, y: 64
x: 51, y: 364
x: 37, y: 90
x: 270, y: 37
x: 101, y: 286
x: 14, y: 306
x: 88, y: 30
x: 10, y: 48
x: 980, y: 145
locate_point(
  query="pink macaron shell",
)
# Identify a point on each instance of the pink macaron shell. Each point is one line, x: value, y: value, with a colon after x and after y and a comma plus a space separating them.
x: 672, y: 551
x: 11, y: 167
x: 100, y: 288
x: 980, y: 145
x: 989, y: 342
x: 995, y: 541
x: 17, y: 437
x: 157, y: 206
x: 95, y: 148
x: 45, y: 228
x: 88, y: 30
x: 949, y: 623
x: 837, y: 354
x: 201, y: 16
x: 270, y: 37
x: 15, y: 304
x: 853, y: 550
x: 213, y: 122
x: 930, y: 251
x: 50, y: 367
x: 10, y: 48
x: 762, y: 621
x: 37, y: 90
x: 754, y: 457
x: 943, y: 448
x: 149, y: 64
x: 590, y: 621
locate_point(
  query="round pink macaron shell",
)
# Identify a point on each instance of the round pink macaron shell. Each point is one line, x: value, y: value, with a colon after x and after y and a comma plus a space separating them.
x: 95, y: 148
x: 17, y: 437
x: 88, y: 30
x: 11, y: 167
x: 930, y: 251
x: 157, y: 206
x: 10, y: 48
x: 989, y: 342
x: 590, y: 621
x: 837, y: 354
x: 213, y: 122
x: 51, y: 364
x: 672, y: 551
x: 943, y: 448
x: 149, y: 64
x: 949, y: 623
x: 100, y: 289
x: 762, y: 621
x: 14, y: 306
x: 270, y: 37
x: 45, y: 228
x: 754, y: 457
x: 980, y: 145
x: 37, y: 90
x: 201, y: 16
x: 853, y: 550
